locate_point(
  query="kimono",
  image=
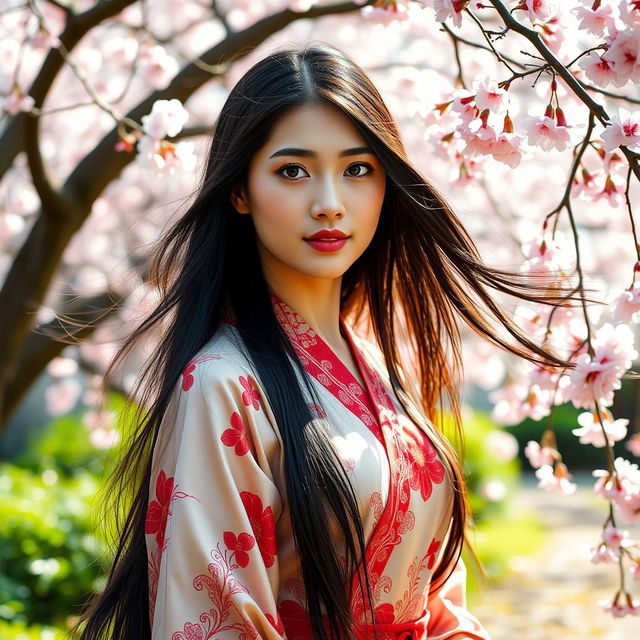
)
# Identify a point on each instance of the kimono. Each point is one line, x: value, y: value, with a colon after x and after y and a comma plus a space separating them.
x: 222, y: 562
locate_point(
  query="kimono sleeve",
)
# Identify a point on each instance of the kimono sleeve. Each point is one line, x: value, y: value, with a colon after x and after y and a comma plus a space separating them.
x: 449, y: 618
x: 213, y: 507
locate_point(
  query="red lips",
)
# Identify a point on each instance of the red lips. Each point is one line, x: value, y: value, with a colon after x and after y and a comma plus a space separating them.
x: 329, y: 234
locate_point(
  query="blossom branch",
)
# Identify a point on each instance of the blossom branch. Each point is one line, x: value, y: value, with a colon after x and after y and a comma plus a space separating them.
x: 596, y: 108
x: 12, y: 139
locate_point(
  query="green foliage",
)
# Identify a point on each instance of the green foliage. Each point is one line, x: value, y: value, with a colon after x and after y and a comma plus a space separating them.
x: 502, y: 529
x: 48, y: 554
x: 483, y: 466
x: 20, y: 631
x: 53, y: 555
x: 66, y: 446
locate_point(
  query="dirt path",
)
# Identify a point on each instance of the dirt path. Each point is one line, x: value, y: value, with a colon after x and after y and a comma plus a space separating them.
x: 555, y: 592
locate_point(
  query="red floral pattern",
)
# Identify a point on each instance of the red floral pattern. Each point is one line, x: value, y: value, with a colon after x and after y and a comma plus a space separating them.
x: 426, y: 469
x: 239, y: 545
x: 187, y: 378
x: 236, y: 435
x: 385, y: 613
x: 432, y: 551
x: 250, y: 396
x: 220, y: 585
x: 276, y: 624
x: 262, y: 525
x: 159, y: 510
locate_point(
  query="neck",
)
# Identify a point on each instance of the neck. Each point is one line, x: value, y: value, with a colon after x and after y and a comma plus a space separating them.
x: 316, y: 300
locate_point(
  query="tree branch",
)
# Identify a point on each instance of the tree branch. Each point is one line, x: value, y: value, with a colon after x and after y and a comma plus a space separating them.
x: 47, y: 341
x: 596, y: 108
x: 30, y: 274
x: 13, y: 138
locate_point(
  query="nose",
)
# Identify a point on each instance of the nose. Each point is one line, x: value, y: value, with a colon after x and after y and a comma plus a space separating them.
x: 327, y: 202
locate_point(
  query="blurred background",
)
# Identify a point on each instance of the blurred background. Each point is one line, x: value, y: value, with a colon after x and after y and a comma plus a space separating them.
x: 80, y: 209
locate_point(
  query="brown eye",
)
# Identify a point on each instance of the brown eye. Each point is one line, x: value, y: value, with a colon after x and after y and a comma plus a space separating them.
x: 292, y: 171
x: 358, y: 169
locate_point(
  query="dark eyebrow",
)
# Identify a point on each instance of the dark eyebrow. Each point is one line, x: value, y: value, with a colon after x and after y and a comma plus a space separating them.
x: 307, y: 153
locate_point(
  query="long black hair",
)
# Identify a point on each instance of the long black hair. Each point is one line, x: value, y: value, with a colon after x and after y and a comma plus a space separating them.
x: 420, y: 274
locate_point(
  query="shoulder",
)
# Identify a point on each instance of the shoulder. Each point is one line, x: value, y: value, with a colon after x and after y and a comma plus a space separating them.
x: 218, y: 364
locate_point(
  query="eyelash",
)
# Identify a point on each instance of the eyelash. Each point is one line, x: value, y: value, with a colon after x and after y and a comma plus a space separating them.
x: 297, y: 166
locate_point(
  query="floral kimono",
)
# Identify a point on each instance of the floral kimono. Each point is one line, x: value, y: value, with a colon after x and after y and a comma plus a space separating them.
x: 221, y: 555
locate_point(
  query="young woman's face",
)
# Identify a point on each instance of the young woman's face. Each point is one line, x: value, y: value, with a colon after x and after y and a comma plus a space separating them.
x: 314, y: 173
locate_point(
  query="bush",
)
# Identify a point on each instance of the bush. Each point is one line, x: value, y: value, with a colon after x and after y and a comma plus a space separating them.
x: 52, y: 554
x: 20, y: 631
x: 49, y: 556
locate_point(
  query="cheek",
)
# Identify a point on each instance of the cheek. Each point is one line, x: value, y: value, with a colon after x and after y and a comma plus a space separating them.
x: 277, y: 214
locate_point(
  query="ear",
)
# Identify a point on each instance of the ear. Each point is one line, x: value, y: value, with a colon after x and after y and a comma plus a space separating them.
x: 239, y: 199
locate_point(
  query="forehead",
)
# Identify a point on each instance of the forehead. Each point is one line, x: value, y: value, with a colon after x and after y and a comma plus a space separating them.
x: 320, y: 127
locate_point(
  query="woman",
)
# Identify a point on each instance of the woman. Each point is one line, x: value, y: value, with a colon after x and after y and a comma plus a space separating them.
x: 288, y: 478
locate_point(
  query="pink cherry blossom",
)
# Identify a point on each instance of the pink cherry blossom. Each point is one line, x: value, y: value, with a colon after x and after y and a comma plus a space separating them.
x: 493, y: 489
x: 626, y: 305
x: 614, y: 538
x: 621, y: 606
x: 591, y: 430
x: 540, y: 9
x: 624, y: 52
x: 621, y: 488
x: 593, y: 381
x: 507, y: 149
x: 542, y: 131
x: 61, y: 367
x: 480, y: 136
x: 99, y: 419
x: 102, y: 438
x: 624, y: 129
x: 157, y: 67
x: 539, y: 456
x: 601, y: 553
x: 612, y: 190
x: 598, y: 69
x: 634, y: 570
x: 501, y: 444
x: 17, y: 101
x: 167, y: 118
x: 629, y: 12
x: 558, y: 481
x: 598, y: 377
x: 165, y: 157
x: 488, y: 95
x: 546, y: 255
x: 533, y: 321
x: 301, y: 5
x: 384, y: 15
x: 449, y: 9
x: 61, y: 397
x: 42, y: 39
x: 594, y: 21
x: 464, y: 105
x: 552, y: 381
x: 518, y: 401
x: 615, y: 344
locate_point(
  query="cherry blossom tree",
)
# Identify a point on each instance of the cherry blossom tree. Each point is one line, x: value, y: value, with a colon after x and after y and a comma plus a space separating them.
x: 523, y: 111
